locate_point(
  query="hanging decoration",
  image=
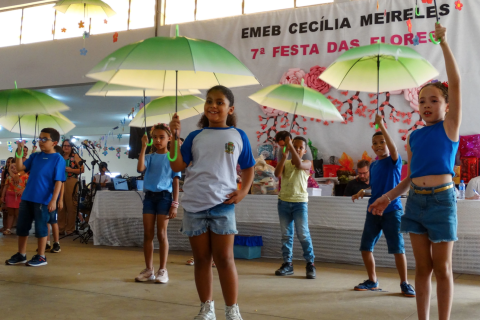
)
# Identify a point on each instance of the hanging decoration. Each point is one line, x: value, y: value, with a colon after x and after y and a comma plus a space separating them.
x: 118, y: 152
x: 115, y: 37
x: 64, y: 30
x: 9, y: 144
x: 83, y: 52
x: 119, y: 136
x: 86, y: 34
x: 111, y: 148
x: 81, y: 25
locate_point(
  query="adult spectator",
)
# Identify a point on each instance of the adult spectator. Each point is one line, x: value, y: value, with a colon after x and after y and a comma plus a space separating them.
x: 362, y: 181
x: 472, y: 186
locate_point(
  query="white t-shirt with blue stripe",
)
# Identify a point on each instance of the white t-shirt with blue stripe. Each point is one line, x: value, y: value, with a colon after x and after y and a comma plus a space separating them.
x: 213, y: 154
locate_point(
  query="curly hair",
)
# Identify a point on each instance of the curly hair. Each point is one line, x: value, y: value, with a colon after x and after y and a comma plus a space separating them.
x: 231, y: 118
x: 440, y: 86
x: 164, y: 127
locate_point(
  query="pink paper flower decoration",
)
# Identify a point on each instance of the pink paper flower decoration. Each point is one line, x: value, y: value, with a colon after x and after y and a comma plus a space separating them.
x: 312, y: 80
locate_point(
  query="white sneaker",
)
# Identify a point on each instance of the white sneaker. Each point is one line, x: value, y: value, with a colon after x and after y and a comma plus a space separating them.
x: 207, y: 311
x: 145, y: 275
x: 232, y: 312
x: 161, y: 276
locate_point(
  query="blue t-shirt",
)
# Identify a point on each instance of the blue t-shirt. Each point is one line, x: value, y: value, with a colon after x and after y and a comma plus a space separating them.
x: 385, y: 175
x: 45, y: 169
x: 158, y: 175
x: 212, y: 175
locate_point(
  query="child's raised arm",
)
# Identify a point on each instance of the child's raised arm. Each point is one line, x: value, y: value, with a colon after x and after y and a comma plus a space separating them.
x: 453, y: 118
x: 281, y: 163
x: 178, y: 165
x: 390, y: 144
x: 141, y: 157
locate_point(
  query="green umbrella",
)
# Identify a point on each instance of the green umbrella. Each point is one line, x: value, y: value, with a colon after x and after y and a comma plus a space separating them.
x: 162, y: 110
x: 104, y: 89
x: 177, y: 63
x: 32, y: 123
x: 379, y: 68
x: 23, y: 101
x: 89, y: 8
x: 297, y: 99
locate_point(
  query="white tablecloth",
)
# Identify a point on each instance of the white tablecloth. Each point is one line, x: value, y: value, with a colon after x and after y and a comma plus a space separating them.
x: 336, y: 226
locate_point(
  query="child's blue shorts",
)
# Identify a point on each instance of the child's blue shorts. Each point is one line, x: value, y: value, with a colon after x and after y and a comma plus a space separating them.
x: 29, y: 212
x: 219, y: 219
x: 389, y: 223
x: 157, y: 202
x: 434, y: 214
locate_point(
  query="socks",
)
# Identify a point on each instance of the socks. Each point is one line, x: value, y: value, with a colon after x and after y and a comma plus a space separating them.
x: 48, y: 242
x: 43, y: 257
x: 23, y: 255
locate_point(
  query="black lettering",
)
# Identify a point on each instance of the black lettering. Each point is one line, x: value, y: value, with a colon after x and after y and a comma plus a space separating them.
x: 303, y: 27
x: 431, y: 12
x: 345, y: 23
x: 310, y: 26
x: 266, y: 31
x: 419, y: 15
x: 336, y: 24
x: 407, y: 14
x: 276, y: 30
x: 388, y: 17
x: 396, y: 16
x: 291, y: 30
x: 379, y: 18
x: 326, y: 26
x: 366, y: 20
x: 321, y: 25
x: 244, y: 33
x: 444, y: 10
x: 255, y: 32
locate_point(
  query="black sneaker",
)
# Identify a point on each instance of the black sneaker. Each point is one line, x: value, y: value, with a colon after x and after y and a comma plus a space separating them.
x: 17, y: 258
x: 311, y: 271
x: 56, y: 248
x: 285, y: 270
x: 47, y: 247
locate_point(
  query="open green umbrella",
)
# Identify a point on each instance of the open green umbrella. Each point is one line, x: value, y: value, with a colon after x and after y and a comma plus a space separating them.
x: 379, y: 68
x: 33, y: 123
x: 104, y: 89
x: 176, y: 63
x: 23, y: 101
x: 297, y: 99
x: 162, y: 110
x: 89, y: 8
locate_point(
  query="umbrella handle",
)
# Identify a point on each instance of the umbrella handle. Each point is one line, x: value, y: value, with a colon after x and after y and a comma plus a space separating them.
x: 19, y: 156
x: 432, y: 38
x: 417, y: 13
x: 175, y: 154
x: 151, y: 141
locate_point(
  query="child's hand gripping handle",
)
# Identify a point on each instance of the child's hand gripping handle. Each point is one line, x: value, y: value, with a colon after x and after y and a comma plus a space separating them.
x: 176, y: 127
x: 440, y: 34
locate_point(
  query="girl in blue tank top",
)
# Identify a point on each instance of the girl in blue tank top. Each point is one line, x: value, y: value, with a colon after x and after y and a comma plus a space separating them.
x: 431, y: 210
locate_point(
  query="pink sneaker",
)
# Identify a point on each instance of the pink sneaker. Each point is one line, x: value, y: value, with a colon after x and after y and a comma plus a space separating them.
x: 145, y: 275
x: 161, y: 276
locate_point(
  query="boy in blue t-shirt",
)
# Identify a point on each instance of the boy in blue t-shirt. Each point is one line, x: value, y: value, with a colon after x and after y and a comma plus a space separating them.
x: 47, y: 173
x: 384, y: 175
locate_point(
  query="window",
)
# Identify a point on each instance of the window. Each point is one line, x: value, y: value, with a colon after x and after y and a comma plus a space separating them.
x: 38, y: 23
x: 253, y: 6
x: 67, y: 25
x: 10, y: 23
x: 178, y: 11
x: 211, y: 9
x: 301, y: 3
x: 117, y: 22
x: 142, y: 14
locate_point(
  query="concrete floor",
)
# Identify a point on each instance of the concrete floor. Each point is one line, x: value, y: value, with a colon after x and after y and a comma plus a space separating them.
x: 90, y: 282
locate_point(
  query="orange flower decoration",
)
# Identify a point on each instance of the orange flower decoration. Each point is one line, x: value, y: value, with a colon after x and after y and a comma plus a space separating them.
x: 458, y: 5
x: 81, y: 24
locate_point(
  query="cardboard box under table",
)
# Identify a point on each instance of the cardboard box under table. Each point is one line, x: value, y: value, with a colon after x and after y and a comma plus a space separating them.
x: 247, y: 247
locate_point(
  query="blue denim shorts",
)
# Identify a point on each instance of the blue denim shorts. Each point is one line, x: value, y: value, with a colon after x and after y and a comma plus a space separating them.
x: 389, y: 223
x: 53, y: 217
x: 157, y: 202
x: 29, y: 212
x: 434, y: 214
x: 219, y: 219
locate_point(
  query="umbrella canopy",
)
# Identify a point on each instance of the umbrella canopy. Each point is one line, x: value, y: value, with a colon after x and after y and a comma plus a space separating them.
x: 88, y: 8
x: 379, y: 68
x: 297, y: 99
x: 104, y: 89
x: 161, y: 110
x: 17, y: 102
x: 176, y: 63
x: 31, y: 124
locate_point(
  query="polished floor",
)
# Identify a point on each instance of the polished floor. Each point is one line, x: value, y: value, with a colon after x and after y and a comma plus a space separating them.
x: 91, y: 282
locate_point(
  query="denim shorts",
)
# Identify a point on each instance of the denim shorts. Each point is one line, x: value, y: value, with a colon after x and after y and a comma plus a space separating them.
x: 53, y: 217
x: 157, y: 202
x: 219, y: 219
x: 29, y: 212
x: 389, y: 223
x: 434, y: 214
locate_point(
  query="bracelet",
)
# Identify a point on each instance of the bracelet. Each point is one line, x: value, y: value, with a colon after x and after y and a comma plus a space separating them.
x: 175, y: 204
x: 389, y: 201
x: 19, y: 156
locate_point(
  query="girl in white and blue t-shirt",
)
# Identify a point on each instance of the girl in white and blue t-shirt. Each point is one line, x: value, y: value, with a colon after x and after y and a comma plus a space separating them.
x: 161, y: 186
x: 210, y: 156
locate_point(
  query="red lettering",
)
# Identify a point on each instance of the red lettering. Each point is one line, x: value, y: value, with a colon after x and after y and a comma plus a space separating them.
x: 332, y: 47
x: 314, y: 49
x: 355, y: 43
x: 408, y: 39
x: 396, y: 39
x: 275, y: 51
x: 422, y: 36
x: 284, y: 52
x: 294, y: 50
x: 429, y: 36
x: 304, y: 47
x: 373, y: 40
x: 255, y: 51
x: 343, y: 46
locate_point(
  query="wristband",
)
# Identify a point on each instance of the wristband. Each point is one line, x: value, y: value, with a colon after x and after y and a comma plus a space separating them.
x: 389, y: 201
x: 175, y: 204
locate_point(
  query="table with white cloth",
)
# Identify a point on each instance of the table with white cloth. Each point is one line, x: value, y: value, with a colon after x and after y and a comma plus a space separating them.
x: 336, y: 226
